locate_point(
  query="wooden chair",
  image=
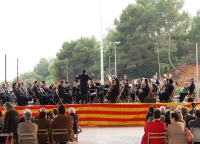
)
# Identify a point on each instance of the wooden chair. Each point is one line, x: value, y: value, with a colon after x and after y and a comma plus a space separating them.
x: 196, y: 133
x: 60, y: 99
x: 191, y: 96
x: 6, y: 135
x: 156, y: 136
x: 175, y: 135
x: 43, y: 133
x: 27, y: 136
x: 37, y: 100
x: 59, y: 132
x: 95, y: 95
x: 171, y: 96
x: 119, y: 95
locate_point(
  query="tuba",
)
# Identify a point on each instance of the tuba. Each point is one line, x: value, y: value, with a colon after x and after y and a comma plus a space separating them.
x: 109, y: 77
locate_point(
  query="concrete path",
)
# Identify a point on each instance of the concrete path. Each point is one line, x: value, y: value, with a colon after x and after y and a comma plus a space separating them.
x: 111, y: 135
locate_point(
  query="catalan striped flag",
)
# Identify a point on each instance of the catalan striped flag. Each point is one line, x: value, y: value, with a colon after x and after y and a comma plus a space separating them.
x: 119, y: 114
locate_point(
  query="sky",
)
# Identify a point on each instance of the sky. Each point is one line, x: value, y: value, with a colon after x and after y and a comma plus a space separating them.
x: 32, y: 29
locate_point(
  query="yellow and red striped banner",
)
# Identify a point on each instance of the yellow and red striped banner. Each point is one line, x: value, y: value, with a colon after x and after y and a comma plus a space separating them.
x: 119, y: 114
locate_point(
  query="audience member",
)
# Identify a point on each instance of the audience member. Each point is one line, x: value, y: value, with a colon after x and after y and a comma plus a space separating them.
x: 50, y: 115
x: 176, y: 127
x: 155, y: 126
x: 1, y: 119
x: 11, y: 120
x: 186, y: 116
x: 62, y: 121
x: 76, y: 126
x: 195, y: 124
x: 55, y: 112
x: 193, y: 105
x: 43, y: 123
x: 27, y: 127
x: 149, y: 116
x: 22, y: 119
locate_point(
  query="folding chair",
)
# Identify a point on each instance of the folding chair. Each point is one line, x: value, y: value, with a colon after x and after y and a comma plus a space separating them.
x: 37, y: 100
x: 191, y: 97
x: 60, y: 99
x: 196, y: 133
x: 43, y: 133
x: 94, y: 94
x: 171, y: 96
x: 27, y: 136
x: 59, y: 132
x: 175, y: 135
x: 156, y: 136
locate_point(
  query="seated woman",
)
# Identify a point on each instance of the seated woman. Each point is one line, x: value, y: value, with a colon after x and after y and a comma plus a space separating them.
x: 113, y: 92
x: 183, y: 93
x: 22, y: 99
x: 92, y: 90
x: 144, y: 91
x: 43, y: 123
x: 176, y: 127
x: 77, y: 129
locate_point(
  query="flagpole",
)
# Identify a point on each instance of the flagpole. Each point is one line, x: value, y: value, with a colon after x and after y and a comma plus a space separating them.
x: 101, y: 49
x: 197, y: 74
x: 5, y: 69
x: 17, y: 71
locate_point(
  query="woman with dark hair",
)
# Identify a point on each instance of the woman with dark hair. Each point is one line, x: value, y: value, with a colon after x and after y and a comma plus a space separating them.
x: 43, y: 123
x: 144, y: 91
x: 113, y: 92
x: 174, y: 128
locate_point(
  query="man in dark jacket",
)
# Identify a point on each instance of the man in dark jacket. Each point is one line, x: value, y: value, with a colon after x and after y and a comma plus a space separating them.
x: 84, y: 85
x: 11, y: 120
x: 168, y: 91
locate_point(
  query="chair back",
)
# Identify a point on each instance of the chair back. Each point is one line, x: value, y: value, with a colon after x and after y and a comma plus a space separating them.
x: 95, y: 94
x: 60, y: 99
x: 27, y: 136
x: 171, y: 96
x: 43, y: 133
x: 177, y: 135
x: 37, y: 100
x: 59, y: 132
x: 161, y: 135
x: 196, y: 134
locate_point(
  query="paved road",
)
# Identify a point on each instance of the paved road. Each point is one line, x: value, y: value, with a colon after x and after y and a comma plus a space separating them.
x: 111, y: 135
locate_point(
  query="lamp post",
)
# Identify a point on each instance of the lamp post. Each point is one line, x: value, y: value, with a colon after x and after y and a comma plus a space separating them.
x: 116, y: 42
x: 67, y: 68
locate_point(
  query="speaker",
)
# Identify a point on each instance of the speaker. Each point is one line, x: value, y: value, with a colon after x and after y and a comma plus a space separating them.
x: 149, y: 100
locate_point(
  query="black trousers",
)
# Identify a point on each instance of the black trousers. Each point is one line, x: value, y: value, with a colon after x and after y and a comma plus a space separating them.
x: 182, y: 96
x: 84, y: 95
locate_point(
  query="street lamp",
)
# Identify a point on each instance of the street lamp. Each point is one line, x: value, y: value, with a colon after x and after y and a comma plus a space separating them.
x: 116, y: 42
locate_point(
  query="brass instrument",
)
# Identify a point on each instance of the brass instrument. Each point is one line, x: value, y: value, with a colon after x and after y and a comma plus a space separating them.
x: 109, y: 77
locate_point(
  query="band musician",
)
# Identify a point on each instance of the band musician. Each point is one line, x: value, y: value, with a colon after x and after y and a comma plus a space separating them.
x: 113, y: 92
x: 144, y: 90
x: 189, y: 90
x: 164, y: 96
x: 62, y: 93
x: 76, y: 91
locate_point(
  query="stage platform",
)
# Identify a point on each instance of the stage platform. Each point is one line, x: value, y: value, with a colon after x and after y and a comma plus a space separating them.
x: 119, y: 114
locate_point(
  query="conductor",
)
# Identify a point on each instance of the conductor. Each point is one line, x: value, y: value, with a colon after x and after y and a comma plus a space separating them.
x: 84, y: 85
